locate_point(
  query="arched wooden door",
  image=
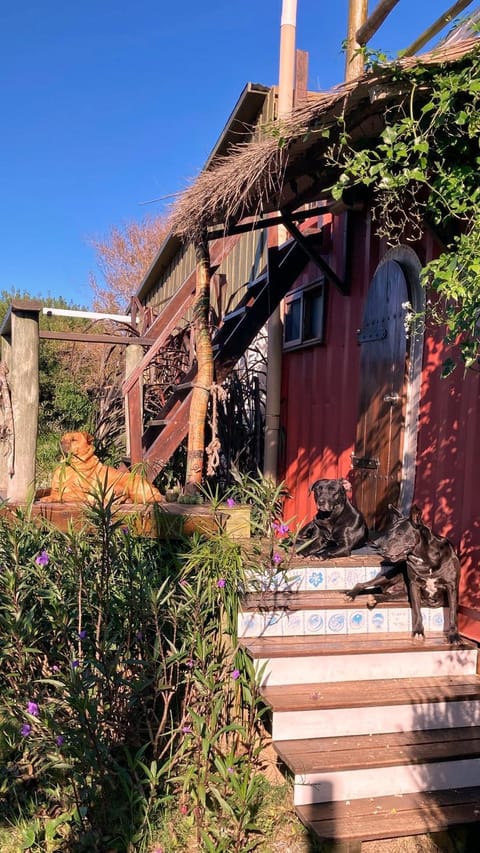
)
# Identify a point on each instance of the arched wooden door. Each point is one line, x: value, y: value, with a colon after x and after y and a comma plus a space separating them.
x: 377, y: 458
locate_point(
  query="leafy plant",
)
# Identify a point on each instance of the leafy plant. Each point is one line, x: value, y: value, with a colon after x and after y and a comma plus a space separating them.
x: 424, y: 168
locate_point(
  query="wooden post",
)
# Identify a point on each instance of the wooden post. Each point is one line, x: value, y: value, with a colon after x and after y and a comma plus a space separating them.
x: 357, y: 16
x: 134, y: 406
x: 20, y: 340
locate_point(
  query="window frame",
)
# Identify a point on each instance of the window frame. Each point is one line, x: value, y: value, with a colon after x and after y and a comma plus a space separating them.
x: 304, y: 296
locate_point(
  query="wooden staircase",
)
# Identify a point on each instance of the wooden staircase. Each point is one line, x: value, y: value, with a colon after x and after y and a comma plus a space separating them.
x: 380, y: 734
x: 156, y: 442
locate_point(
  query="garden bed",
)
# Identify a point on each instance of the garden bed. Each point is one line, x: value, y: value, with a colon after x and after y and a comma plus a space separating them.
x: 162, y: 521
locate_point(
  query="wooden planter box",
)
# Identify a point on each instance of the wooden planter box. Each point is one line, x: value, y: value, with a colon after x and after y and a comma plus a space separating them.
x: 171, y: 520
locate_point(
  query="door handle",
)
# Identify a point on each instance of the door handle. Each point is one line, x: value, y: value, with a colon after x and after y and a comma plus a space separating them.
x: 392, y: 398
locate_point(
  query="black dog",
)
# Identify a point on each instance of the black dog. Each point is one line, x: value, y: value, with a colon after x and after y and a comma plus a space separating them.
x: 338, y: 526
x: 432, y: 569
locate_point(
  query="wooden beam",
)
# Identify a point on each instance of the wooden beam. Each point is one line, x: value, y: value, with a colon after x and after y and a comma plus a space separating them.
x: 439, y: 24
x: 95, y: 339
x: 375, y: 21
x: 255, y: 225
x: 315, y: 257
x: 300, y: 94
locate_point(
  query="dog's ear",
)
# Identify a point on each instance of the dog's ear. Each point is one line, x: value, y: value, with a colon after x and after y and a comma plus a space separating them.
x: 312, y: 487
x: 346, y: 484
x: 88, y: 437
x: 416, y: 516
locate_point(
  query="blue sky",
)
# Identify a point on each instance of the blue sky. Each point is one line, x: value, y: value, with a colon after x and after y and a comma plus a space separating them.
x: 106, y: 105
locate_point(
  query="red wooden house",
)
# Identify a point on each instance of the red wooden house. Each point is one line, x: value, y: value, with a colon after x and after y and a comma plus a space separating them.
x: 361, y: 391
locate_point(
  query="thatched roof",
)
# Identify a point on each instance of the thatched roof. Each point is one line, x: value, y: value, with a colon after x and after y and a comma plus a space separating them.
x: 285, y: 166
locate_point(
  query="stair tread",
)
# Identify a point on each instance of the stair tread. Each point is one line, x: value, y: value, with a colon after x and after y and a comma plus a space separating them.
x: 351, y: 644
x: 375, y: 818
x: 359, y: 752
x: 364, y: 694
x: 314, y: 600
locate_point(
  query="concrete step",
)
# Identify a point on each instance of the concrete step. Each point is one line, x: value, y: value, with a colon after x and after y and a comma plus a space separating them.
x: 361, y: 657
x: 287, y: 614
x: 338, y: 709
x: 352, y: 767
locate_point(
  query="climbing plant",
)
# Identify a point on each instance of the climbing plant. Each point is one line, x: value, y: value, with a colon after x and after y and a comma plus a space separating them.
x: 425, y: 168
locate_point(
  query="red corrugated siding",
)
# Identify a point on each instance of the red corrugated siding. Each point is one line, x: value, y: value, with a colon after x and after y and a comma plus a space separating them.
x: 319, y: 404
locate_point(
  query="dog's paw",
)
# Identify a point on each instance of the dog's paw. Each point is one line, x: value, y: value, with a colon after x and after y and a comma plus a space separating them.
x: 418, y: 636
x: 454, y: 637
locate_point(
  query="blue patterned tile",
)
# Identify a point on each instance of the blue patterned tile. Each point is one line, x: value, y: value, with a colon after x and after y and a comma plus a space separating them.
x: 315, y: 622
x: 316, y: 579
x: 336, y: 622
x: 357, y: 622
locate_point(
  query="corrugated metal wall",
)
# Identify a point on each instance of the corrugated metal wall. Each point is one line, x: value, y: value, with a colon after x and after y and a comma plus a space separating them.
x: 319, y: 406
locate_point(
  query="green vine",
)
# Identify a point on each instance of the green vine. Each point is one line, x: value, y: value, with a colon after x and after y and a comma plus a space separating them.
x: 425, y: 168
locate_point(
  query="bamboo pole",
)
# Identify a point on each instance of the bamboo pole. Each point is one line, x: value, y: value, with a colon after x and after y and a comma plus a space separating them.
x: 201, y: 389
x: 439, y: 24
x: 375, y: 21
x: 357, y: 16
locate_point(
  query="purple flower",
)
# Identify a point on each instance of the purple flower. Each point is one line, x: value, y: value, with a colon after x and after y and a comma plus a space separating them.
x: 42, y: 559
x: 26, y: 729
x: 280, y: 528
x: 55, y: 668
x: 125, y: 530
x: 74, y: 664
x: 221, y: 583
x: 82, y: 634
x: 230, y: 502
x: 187, y: 730
x: 32, y: 708
x: 235, y: 674
x: 59, y: 740
x: 276, y: 558
x: 230, y: 770
x: 189, y: 663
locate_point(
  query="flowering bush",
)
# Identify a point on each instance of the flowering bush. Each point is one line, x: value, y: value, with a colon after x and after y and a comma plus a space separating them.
x: 122, y: 687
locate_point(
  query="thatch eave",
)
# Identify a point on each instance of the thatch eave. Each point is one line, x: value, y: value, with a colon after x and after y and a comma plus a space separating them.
x: 286, y: 166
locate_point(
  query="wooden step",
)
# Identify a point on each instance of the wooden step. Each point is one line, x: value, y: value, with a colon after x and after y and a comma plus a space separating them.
x: 292, y: 601
x: 308, y: 660
x: 350, y: 767
x: 376, y: 818
x: 356, y: 752
x: 368, y: 707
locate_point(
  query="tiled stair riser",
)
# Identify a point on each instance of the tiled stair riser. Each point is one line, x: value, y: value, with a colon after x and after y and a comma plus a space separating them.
x: 284, y: 623
x: 365, y: 667
x: 296, y: 725
x: 313, y: 578
x: 376, y: 782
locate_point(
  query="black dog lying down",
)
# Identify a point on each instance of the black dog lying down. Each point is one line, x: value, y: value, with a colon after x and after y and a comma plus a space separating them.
x: 338, y: 526
x: 432, y: 569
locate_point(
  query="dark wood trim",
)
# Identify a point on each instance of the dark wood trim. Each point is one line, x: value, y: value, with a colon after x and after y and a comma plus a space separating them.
x: 314, y: 255
x: 256, y: 224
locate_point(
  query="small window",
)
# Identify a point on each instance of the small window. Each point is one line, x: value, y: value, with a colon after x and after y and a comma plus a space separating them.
x: 304, y: 312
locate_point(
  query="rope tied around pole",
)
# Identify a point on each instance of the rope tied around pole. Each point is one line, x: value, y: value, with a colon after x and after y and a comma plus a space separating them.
x: 219, y: 394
